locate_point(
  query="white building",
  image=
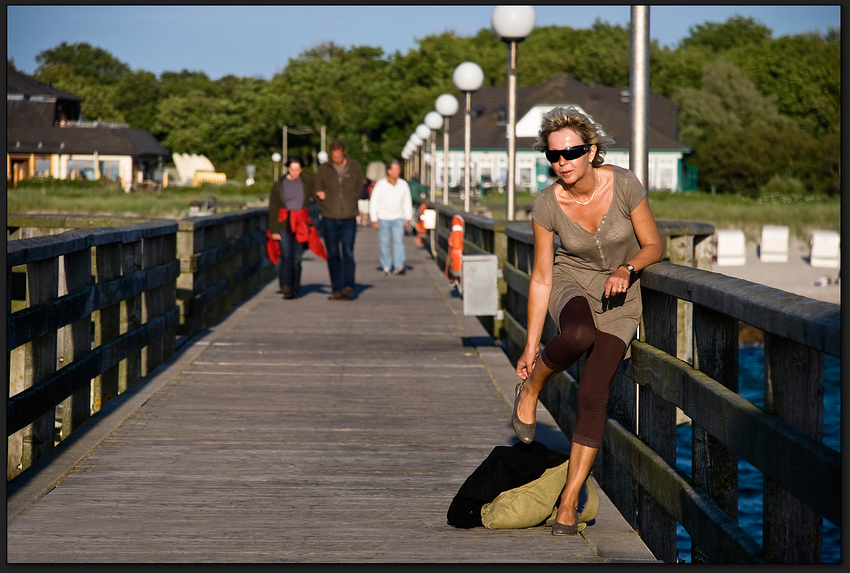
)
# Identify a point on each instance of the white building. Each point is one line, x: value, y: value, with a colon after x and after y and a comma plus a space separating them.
x: 46, y: 136
x: 608, y: 106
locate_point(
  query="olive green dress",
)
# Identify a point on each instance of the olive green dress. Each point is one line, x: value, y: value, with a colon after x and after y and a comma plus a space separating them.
x: 585, y: 260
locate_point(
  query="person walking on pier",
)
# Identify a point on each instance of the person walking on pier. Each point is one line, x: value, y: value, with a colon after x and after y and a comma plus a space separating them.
x: 339, y: 183
x: 391, y: 210
x: 290, y: 225
x: 590, y: 287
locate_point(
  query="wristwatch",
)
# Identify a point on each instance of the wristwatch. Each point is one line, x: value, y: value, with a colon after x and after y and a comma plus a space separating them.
x: 629, y: 268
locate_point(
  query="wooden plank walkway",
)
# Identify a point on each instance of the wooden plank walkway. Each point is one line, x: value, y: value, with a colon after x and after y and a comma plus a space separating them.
x: 302, y: 430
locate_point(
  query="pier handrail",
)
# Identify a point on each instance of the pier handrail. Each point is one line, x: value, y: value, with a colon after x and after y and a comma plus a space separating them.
x: 140, y: 286
x: 689, y: 361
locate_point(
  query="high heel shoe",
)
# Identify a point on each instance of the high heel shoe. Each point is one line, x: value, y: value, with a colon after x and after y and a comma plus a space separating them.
x: 524, y: 432
x: 564, y: 529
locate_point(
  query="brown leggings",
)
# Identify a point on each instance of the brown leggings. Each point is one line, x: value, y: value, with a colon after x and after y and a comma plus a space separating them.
x: 578, y: 334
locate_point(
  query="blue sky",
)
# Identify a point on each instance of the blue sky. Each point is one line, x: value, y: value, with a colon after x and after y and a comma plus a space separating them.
x: 260, y: 40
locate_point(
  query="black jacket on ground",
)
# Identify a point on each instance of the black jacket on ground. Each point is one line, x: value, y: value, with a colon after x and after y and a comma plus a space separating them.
x: 505, y: 468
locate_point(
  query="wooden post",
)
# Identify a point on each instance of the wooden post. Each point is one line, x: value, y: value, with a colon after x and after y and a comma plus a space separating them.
x: 657, y: 424
x: 793, y: 532
x: 130, y: 369
x: 77, y: 407
x: 714, y: 466
x: 107, y: 322
x: 169, y: 292
x: 151, y: 303
x: 681, y: 252
x: 42, y: 286
x: 15, y: 368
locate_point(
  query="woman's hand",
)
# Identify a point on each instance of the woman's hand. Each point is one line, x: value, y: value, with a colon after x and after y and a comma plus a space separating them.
x: 275, y: 236
x: 526, y: 362
x: 617, y: 282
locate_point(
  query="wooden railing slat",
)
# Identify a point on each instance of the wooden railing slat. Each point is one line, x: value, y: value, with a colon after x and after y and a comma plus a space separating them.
x: 723, y: 538
x: 784, y: 454
x: 26, y: 406
x: 30, y: 323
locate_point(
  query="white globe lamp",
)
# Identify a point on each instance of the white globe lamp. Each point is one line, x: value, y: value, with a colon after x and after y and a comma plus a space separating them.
x: 468, y: 78
x: 513, y: 24
x: 447, y: 106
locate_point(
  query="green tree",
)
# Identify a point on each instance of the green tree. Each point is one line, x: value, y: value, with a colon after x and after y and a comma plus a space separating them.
x: 741, y: 161
x: 137, y: 98
x: 185, y: 81
x: 98, y: 101
x: 85, y: 61
x: 720, y: 37
x: 803, y: 74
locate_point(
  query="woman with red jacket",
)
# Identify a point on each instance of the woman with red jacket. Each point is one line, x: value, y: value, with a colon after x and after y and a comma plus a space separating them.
x: 289, y: 223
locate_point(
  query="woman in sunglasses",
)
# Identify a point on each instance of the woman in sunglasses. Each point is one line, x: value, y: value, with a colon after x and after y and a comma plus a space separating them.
x: 590, y: 286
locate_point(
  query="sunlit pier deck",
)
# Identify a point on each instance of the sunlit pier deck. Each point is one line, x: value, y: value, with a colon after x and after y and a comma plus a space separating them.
x: 302, y: 430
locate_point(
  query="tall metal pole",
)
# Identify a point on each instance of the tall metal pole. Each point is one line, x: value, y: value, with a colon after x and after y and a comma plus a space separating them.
x: 511, y: 129
x: 422, y: 162
x: 285, y: 133
x: 466, y: 144
x: 323, y: 139
x: 446, y: 162
x: 433, y: 174
x: 639, y: 93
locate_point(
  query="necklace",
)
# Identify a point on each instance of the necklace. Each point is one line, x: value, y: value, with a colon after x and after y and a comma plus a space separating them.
x: 592, y: 195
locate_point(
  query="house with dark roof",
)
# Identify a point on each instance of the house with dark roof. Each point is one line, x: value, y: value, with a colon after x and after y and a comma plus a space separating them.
x: 46, y: 136
x: 608, y: 106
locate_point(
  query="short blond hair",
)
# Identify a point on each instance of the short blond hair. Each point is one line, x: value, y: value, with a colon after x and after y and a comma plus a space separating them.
x: 559, y: 118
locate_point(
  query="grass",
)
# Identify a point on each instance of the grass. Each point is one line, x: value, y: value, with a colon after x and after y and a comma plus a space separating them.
x: 800, y: 213
x: 170, y: 203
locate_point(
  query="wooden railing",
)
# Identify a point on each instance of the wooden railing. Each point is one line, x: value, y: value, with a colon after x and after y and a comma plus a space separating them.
x: 92, y: 310
x: 222, y: 261
x: 686, y: 359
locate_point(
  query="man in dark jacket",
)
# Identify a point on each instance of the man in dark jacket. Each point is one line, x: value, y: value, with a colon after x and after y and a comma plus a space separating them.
x: 339, y: 183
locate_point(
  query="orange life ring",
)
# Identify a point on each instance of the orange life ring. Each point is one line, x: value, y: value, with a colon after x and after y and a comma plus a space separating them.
x: 454, y: 262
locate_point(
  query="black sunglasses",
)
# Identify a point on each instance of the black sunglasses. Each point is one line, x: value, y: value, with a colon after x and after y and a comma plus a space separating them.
x: 569, y: 153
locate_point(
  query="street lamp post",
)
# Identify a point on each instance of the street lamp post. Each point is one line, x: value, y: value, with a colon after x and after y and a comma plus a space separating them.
x: 285, y: 149
x: 405, y: 154
x: 415, y: 142
x: 513, y: 24
x: 435, y: 121
x: 467, y: 77
x: 424, y: 132
x: 447, y: 106
x: 276, y: 158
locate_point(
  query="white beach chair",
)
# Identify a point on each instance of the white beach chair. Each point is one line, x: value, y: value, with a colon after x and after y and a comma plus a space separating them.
x: 774, y: 244
x: 825, y: 249
x: 731, y: 248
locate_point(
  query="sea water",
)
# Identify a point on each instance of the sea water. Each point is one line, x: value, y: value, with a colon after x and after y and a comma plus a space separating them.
x: 750, y: 480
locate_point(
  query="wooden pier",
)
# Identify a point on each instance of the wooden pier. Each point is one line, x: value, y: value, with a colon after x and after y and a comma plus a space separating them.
x: 301, y: 431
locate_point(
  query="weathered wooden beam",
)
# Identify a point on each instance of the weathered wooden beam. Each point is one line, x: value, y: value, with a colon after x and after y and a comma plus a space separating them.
x: 27, y: 406
x: 800, y: 464
x: 714, y: 465
x: 793, y: 392
x: 30, y: 323
x: 77, y: 407
x: 723, y: 539
x: 811, y: 322
x: 42, y: 286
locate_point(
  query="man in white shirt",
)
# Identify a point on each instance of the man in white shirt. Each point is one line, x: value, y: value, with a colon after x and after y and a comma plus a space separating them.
x: 391, y: 210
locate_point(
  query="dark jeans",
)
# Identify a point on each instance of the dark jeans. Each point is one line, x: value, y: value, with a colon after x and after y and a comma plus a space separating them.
x: 339, y: 243
x: 289, y: 266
